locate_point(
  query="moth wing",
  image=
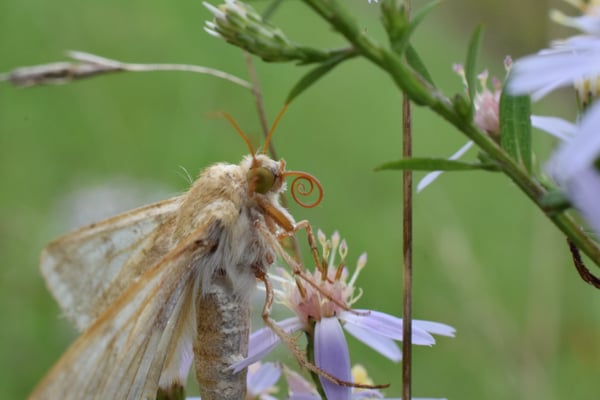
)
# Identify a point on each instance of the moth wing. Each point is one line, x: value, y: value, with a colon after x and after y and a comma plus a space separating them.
x: 122, y: 354
x: 88, y: 269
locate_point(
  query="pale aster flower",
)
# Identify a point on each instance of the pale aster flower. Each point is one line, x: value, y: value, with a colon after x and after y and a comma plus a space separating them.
x: 486, y: 101
x: 573, y: 61
x: 574, y: 167
x: 486, y: 117
x: 373, y: 1
x: 260, y: 381
x: 323, y: 320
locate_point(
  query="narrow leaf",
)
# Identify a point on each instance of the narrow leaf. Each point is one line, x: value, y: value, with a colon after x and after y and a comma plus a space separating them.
x: 471, y: 63
x: 416, y: 62
x: 434, y: 164
x: 515, y: 127
x: 416, y: 18
x: 315, y: 74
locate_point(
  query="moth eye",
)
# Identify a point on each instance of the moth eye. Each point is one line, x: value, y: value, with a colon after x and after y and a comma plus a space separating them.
x: 261, y: 179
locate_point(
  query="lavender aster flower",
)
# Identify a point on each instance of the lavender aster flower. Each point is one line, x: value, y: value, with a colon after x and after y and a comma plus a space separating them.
x: 574, y: 166
x: 574, y: 61
x: 323, y: 320
x: 487, y: 114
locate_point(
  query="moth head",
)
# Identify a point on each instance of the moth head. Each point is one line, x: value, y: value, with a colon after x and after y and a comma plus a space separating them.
x: 266, y: 176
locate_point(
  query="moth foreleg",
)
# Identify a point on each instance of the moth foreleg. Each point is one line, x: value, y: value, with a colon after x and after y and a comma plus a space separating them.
x: 290, y: 342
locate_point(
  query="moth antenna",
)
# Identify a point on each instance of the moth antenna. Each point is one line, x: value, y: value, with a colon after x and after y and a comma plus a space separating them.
x: 297, y: 187
x: 270, y: 134
x: 238, y: 130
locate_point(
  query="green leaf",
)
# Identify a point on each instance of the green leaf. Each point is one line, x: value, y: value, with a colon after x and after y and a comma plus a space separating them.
x: 399, y: 25
x: 415, y: 19
x: 416, y: 62
x: 315, y: 74
x: 515, y: 128
x: 271, y: 8
x: 434, y: 164
x: 471, y: 63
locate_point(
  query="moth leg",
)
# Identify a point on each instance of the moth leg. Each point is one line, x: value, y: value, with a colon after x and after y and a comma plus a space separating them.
x: 290, y: 229
x: 304, y: 224
x: 290, y: 342
x: 276, y: 215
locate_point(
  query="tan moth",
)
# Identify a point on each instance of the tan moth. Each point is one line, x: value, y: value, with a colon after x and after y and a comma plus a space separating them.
x: 134, y: 284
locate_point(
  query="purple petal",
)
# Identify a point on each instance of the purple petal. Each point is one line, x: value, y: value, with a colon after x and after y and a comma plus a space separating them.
x: 583, y: 190
x: 383, y: 324
x: 263, y: 341
x: 299, y: 388
x: 383, y: 345
x: 304, y: 396
x: 587, y: 23
x: 581, y: 151
x: 332, y: 356
x: 436, y: 328
x: 557, y: 127
x: 541, y: 73
x: 432, y: 176
x: 263, y: 378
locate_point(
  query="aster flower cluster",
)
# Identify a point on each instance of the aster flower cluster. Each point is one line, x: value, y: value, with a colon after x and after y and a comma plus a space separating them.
x: 486, y: 104
x: 324, y: 313
x: 573, y: 62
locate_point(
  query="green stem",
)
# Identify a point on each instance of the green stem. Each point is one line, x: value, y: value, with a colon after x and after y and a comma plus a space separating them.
x: 310, y: 355
x: 424, y: 94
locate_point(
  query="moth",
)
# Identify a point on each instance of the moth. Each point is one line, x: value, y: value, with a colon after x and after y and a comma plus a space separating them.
x: 155, y: 288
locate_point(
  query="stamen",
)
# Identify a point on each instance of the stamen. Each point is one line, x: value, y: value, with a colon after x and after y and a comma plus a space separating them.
x: 301, y: 288
x: 339, y: 270
x: 297, y: 187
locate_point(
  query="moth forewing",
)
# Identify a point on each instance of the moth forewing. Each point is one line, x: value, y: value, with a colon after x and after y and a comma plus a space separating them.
x: 122, y: 353
x: 87, y: 270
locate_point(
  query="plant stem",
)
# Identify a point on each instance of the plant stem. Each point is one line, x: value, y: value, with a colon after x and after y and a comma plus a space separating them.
x: 407, y: 247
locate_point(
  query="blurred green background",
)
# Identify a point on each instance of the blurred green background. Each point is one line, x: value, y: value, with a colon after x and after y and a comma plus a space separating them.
x: 486, y: 261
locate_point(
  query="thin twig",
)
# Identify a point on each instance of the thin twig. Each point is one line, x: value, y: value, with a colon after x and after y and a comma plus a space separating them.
x: 88, y: 65
x: 584, y: 272
x: 407, y: 245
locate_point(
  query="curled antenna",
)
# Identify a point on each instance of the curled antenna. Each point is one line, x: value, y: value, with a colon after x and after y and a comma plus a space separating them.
x: 297, y: 187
